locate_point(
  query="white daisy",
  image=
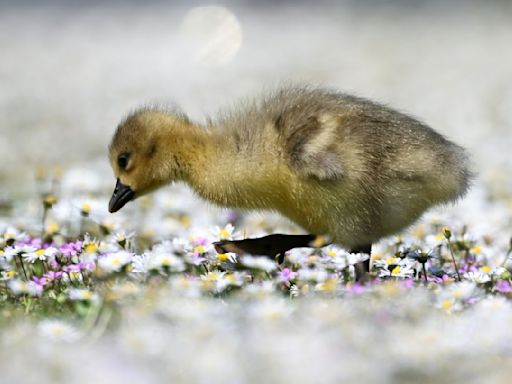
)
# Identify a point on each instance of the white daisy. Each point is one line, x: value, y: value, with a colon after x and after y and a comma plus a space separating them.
x: 477, y: 277
x: 225, y: 233
x: 76, y: 294
x: 262, y: 263
x: 114, y: 262
x: 40, y: 254
x: 58, y: 330
x: 165, y: 261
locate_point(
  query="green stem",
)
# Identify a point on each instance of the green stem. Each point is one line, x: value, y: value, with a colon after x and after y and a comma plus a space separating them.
x: 45, y: 213
x: 424, y: 272
x: 453, y: 259
x: 23, y: 267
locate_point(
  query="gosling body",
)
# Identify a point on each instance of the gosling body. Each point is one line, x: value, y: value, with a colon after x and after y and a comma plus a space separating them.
x: 333, y: 163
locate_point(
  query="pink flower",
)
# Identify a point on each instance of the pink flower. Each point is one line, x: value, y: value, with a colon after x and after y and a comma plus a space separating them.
x: 286, y: 275
x: 52, y: 275
x: 41, y: 282
x: 503, y: 286
x: 71, y: 249
x: 71, y: 268
x: 355, y: 288
x: 87, y: 265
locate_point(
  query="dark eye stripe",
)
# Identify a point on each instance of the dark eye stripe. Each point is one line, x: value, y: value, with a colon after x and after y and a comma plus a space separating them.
x: 122, y: 160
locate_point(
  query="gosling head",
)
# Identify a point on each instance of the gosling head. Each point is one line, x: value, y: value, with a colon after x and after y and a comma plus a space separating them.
x: 144, y: 154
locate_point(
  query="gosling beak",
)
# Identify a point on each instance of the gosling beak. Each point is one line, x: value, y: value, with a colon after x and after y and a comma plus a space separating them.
x: 122, y: 194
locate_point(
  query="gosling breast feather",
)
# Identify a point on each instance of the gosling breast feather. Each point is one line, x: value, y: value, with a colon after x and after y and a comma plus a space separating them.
x: 333, y: 163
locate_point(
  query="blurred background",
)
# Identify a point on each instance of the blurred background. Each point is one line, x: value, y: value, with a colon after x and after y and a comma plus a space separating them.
x: 70, y: 70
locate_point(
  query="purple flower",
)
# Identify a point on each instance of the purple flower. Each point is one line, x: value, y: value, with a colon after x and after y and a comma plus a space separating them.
x: 87, y: 265
x: 201, y: 241
x: 355, y: 288
x: 71, y: 268
x: 71, y: 249
x: 33, y: 242
x: 54, y: 264
x: 286, y: 275
x: 52, y: 275
x: 40, y: 281
x: 196, y: 259
x: 503, y: 286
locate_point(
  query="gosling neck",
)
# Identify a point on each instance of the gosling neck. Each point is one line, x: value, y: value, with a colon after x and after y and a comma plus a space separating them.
x: 191, y: 148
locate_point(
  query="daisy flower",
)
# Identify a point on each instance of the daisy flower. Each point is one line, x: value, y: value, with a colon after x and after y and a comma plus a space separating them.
x: 12, y: 235
x: 7, y: 275
x: 122, y: 237
x: 19, y: 287
x: 165, y: 262
x: 262, y: 263
x: 9, y: 253
x: 114, y: 262
x: 225, y: 233
x: 40, y: 254
x: 76, y: 294
x: 58, y: 330
x: 477, y: 277
x: 215, y: 280
x: 318, y: 275
x: 226, y: 257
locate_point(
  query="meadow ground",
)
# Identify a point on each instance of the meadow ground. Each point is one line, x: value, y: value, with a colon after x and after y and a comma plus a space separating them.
x: 142, y: 296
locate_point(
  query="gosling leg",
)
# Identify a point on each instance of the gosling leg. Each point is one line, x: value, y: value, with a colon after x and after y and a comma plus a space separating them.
x: 271, y: 245
x: 363, y: 268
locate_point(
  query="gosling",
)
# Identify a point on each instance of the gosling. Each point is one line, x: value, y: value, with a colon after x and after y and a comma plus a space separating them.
x: 335, y: 164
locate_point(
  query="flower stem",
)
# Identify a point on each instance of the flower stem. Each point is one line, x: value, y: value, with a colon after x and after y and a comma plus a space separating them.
x: 453, y: 259
x: 23, y: 267
x: 45, y: 213
x: 424, y: 272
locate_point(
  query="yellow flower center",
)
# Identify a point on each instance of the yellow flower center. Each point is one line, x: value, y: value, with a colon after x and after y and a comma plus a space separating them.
x: 117, y: 262
x: 476, y: 250
x: 331, y: 252
x: 396, y: 271
x: 52, y: 228
x: 224, y: 234
x: 213, y: 276
x: 230, y: 277
x: 390, y: 288
x: 86, y: 208
x: 329, y: 285
x: 486, y: 269
x: 91, y: 248
x: 200, y: 249
x: 446, y: 304
x: 166, y: 261
x: 222, y: 257
x: 39, y: 252
x: 391, y: 260
x: 11, y: 274
x: 185, y: 221
x: 50, y: 199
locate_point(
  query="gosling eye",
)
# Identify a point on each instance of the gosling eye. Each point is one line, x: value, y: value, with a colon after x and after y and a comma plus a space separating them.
x: 122, y: 160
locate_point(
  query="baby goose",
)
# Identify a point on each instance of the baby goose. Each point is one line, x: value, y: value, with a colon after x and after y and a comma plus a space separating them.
x: 333, y: 163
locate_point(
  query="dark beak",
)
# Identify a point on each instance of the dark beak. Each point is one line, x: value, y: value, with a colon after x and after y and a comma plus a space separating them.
x: 122, y: 194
